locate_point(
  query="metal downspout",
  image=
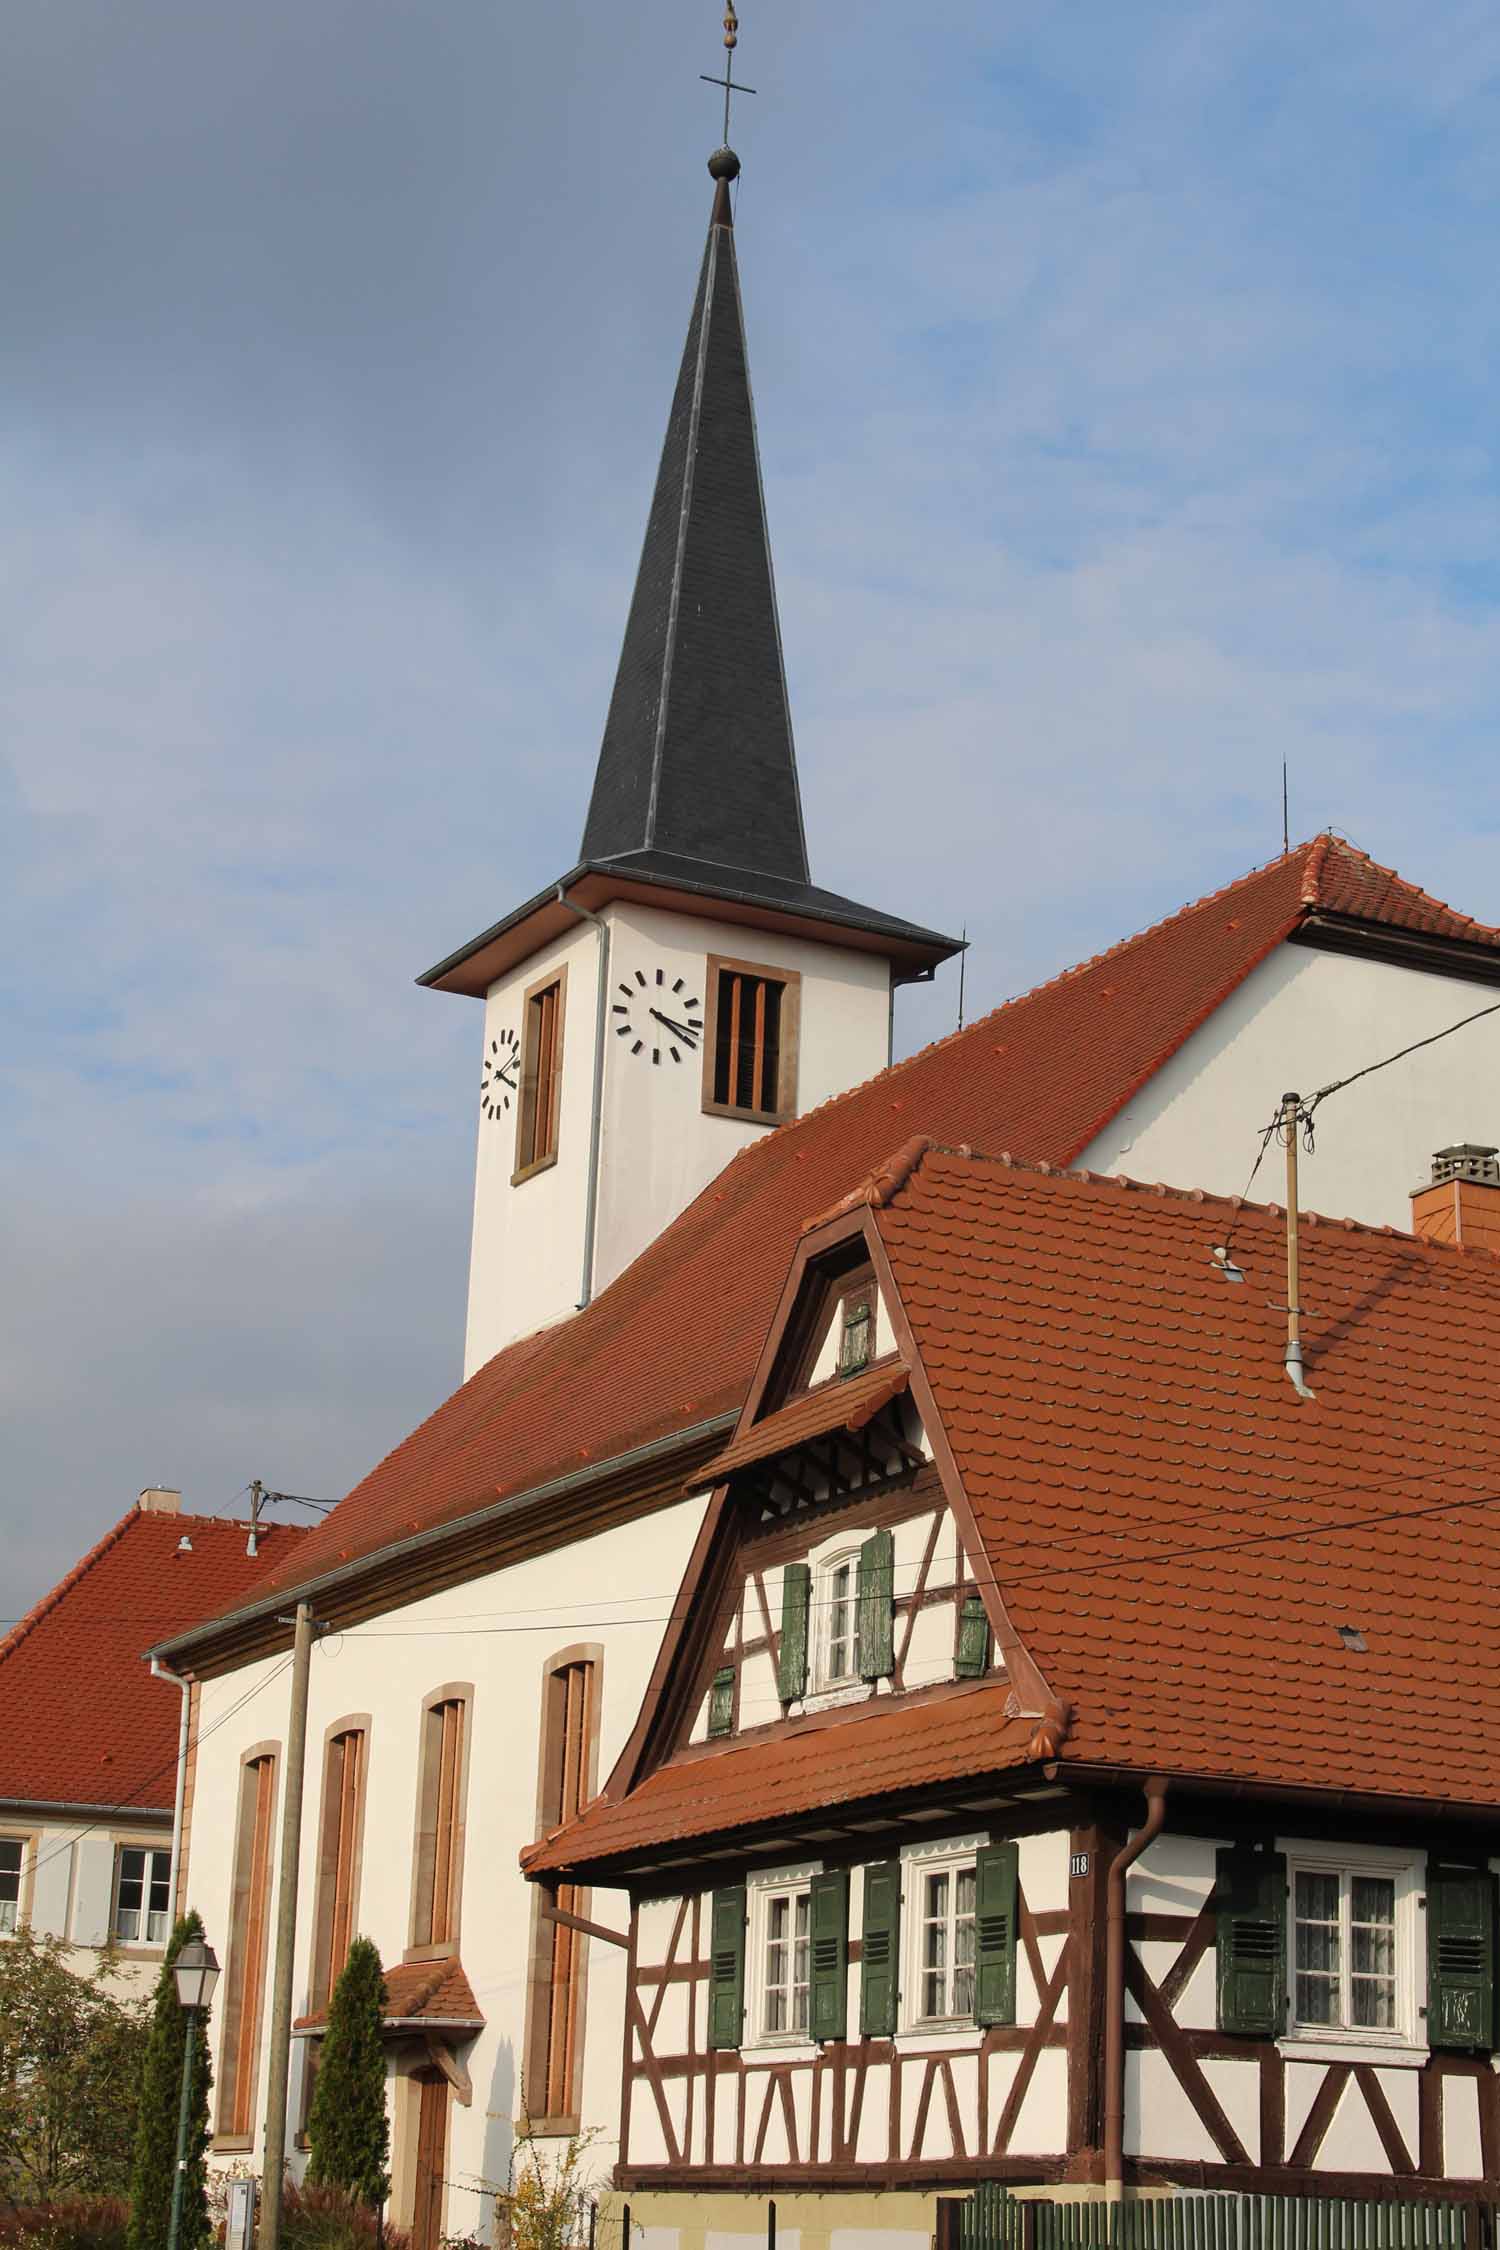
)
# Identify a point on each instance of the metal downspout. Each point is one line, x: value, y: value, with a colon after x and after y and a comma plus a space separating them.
x: 596, y: 1115
x: 1114, y: 1988
x: 159, y: 1671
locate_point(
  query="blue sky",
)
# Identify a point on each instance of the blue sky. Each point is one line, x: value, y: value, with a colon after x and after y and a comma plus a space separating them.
x: 1125, y: 379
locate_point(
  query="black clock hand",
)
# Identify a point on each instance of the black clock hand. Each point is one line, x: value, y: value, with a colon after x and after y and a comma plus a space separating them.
x: 681, y: 1031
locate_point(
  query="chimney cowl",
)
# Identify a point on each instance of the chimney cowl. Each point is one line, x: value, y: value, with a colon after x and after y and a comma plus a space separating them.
x: 160, y: 1500
x: 1466, y: 1160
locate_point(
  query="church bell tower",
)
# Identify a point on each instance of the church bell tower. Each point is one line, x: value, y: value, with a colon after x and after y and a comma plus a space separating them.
x: 686, y: 987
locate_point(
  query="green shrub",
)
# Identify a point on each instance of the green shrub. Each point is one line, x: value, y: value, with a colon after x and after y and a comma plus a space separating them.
x: 347, y: 2131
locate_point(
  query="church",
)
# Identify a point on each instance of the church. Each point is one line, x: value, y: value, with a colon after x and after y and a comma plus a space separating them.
x: 877, y: 1680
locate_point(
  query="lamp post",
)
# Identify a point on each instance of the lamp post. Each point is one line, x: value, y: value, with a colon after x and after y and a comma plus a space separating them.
x: 195, y: 1972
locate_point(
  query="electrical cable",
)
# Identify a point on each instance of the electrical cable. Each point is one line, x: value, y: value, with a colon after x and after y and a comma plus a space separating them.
x: 1400, y: 1055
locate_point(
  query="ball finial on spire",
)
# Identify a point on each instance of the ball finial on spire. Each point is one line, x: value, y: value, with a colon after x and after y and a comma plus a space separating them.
x: 731, y: 28
x: 723, y: 165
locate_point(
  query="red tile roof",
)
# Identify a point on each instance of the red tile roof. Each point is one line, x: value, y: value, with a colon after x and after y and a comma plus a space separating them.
x: 434, y: 1992
x: 87, y: 1724
x: 843, y: 1404
x: 815, y: 1764
x: 668, y: 1345
x: 1177, y: 1539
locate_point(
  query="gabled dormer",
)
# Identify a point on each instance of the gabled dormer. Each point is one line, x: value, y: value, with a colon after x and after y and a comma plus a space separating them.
x: 839, y: 1582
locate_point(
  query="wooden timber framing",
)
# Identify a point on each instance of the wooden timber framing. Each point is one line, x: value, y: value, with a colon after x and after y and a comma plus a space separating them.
x: 805, y: 2121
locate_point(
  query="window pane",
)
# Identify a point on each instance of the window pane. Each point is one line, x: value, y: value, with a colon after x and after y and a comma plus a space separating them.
x: 130, y: 1896
x: 1317, y: 1948
x: 1372, y: 1952
x: 963, y: 1942
x: 799, y: 1969
x: 10, y: 1874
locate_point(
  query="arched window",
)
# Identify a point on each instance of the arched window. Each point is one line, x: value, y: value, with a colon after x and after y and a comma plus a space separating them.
x: 567, y: 1779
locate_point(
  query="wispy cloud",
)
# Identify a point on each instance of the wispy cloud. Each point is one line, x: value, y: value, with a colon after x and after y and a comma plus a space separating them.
x: 1125, y: 390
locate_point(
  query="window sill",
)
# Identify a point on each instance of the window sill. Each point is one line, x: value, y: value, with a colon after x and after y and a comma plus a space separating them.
x: 948, y: 2032
x: 1389, y: 2054
x: 232, y: 2144
x: 749, y: 1116
x: 530, y: 1171
x: 829, y: 1698
x: 447, y: 1951
x: 548, y: 2128
x: 775, y: 2050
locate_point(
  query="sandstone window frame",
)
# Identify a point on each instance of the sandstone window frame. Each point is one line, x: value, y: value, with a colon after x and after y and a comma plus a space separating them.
x: 442, y: 1802
x: 567, y: 1777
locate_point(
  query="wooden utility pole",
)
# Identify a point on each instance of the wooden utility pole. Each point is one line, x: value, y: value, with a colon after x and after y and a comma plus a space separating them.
x: 286, y: 1934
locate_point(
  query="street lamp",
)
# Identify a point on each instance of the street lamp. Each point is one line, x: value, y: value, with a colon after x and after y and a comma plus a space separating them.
x: 195, y: 1973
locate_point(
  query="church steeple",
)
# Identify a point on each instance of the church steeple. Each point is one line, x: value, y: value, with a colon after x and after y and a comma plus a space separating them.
x: 697, y: 760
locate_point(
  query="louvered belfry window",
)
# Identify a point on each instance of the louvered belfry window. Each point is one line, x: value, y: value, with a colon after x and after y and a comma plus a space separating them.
x: 541, y: 1077
x: 750, y: 1067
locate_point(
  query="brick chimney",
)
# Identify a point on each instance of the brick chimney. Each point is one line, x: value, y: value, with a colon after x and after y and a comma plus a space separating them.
x: 1461, y: 1203
x: 161, y: 1500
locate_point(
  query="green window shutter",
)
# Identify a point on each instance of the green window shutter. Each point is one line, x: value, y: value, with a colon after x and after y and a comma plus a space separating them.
x: 796, y: 1599
x: 876, y: 1590
x: 880, y: 1951
x: 721, y: 1702
x: 1460, y: 1956
x: 995, y: 1934
x: 1250, y: 1904
x: 829, y: 1914
x: 726, y: 1986
x: 973, y: 1659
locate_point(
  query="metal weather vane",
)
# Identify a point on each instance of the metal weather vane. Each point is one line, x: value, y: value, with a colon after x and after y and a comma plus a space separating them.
x: 729, y: 82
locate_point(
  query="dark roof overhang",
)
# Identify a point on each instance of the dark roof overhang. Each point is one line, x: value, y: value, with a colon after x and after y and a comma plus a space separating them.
x: 685, y: 886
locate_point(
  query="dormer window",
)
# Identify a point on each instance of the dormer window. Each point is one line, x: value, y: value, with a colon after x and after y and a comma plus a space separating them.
x: 857, y: 1339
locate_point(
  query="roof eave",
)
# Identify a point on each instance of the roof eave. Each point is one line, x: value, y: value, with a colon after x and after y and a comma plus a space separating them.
x: 344, y: 1574
x: 914, y: 953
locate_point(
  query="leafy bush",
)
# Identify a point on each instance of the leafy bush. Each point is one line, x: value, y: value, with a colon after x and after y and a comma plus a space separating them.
x: 71, y: 2052
x: 323, y: 2218
x: 95, y: 2223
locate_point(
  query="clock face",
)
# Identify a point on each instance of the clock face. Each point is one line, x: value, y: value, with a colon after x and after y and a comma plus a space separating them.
x: 501, y: 1074
x: 658, y: 1018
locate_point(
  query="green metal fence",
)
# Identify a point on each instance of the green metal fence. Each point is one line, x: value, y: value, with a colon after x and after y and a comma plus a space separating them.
x: 992, y: 2219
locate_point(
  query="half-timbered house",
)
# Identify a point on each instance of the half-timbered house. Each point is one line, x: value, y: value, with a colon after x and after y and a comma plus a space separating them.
x: 1075, y: 1757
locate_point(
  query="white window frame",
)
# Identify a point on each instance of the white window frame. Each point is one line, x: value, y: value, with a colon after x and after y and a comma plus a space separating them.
x: 145, y: 1943
x: 1406, y: 2039
x: 823, y: 1560
x: 762, y: 1889
x: 947, y: 1855
x: 8, y: 1907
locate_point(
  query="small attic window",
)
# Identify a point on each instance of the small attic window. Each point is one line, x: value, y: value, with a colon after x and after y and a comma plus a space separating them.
x: 857, y: 1335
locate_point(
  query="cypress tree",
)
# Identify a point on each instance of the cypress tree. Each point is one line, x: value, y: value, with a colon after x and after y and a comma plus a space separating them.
x: 156, y: 2129
x: 347, y: 2132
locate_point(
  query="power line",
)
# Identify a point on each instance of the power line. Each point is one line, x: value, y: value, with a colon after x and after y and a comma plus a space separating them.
x: 1400, y: 1055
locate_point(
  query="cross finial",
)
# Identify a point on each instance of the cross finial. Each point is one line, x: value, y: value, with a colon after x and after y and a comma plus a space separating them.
x: 729, y: 82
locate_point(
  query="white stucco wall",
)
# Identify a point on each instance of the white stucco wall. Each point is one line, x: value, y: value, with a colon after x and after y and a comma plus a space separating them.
x: 657, y: 1147
x: 1300, y: 1020
x: 498, y: 1633
x: 68, y: 1887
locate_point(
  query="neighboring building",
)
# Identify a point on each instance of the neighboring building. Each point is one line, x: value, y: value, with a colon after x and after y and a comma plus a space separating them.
x: 492, y: 1595
x: 88, y: 1770
x: 1022, y: 1532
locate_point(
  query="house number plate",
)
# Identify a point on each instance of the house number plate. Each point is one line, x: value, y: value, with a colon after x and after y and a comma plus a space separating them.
x: 1078, y: 1864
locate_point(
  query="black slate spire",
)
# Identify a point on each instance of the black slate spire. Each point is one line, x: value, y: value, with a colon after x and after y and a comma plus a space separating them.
x: 697, y: 760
